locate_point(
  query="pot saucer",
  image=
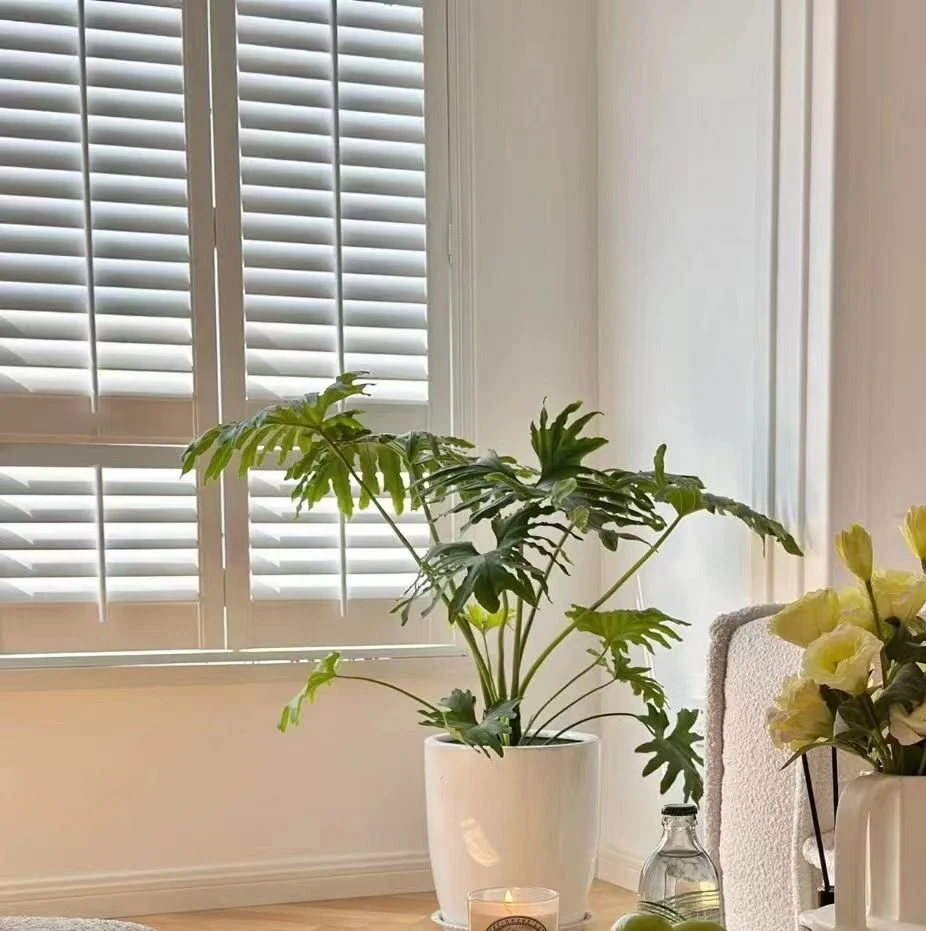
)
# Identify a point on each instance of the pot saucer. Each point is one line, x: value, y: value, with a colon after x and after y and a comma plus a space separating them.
x: 438, y: 919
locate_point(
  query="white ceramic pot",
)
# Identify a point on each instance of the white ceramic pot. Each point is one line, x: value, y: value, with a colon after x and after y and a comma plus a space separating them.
x: 881, y: 820
x: 529, y: 818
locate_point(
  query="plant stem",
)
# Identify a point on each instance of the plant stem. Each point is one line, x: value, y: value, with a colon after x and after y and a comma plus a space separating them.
x: 502, y: 628
x: 560, y: 691
x: 546, y: 576
x: 482, y: 668
x: 485, y: 677
x: 395, y: 688
x: 922, y: 767
x: 884, y: 752
x: 592, y: 717
x: 566, y: 631
x: 488, y: 655
x: 516, y: 658
x: 383, y: 513
x: 869, y: 588
x: 574, y: 702
x: 425, y: 508
x: 632, y: 571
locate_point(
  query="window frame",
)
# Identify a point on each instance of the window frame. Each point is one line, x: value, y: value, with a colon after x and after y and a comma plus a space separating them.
x: 216, y: 280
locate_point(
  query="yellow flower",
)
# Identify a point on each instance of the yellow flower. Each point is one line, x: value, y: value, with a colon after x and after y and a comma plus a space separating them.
x: 842, y: 658
x: 908, y: 729
x: 855, y: 608
x: 799, y: 715
x: 914, y: 531
x: 854, y: 548
x: 808, y: 617
x: 899, y: 594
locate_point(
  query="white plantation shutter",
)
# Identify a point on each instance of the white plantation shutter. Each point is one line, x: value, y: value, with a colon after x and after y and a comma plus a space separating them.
x: 334, y: 249
x: 100, y: 537
x: 43, y: 270
x: 97, y: 558
x: 122, y: 122
x: 332, y: 144
x: 95, y: 290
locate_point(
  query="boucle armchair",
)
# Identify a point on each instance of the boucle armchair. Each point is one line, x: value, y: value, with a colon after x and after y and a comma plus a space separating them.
x: 757, y: 821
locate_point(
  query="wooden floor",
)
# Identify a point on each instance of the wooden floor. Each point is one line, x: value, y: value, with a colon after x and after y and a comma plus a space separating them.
x: 390, y: 913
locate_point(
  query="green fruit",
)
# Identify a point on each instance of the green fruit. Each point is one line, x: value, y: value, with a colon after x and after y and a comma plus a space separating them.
x: 642, y: 923
x: 697, y: 924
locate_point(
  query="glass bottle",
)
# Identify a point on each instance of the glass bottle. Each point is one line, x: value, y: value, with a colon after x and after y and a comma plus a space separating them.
x: 679, y: 880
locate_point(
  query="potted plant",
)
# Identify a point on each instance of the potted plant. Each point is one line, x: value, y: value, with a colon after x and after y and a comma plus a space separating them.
x: 862, y: 689
x: 523, y: 808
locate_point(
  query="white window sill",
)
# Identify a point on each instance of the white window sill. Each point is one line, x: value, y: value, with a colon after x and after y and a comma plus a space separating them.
x: 217, y: 667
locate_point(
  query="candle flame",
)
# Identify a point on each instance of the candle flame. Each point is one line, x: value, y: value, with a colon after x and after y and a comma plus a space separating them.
x: 509, y: 898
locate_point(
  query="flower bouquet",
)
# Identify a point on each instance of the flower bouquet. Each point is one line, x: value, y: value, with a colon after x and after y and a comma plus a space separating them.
x: 862, y: 688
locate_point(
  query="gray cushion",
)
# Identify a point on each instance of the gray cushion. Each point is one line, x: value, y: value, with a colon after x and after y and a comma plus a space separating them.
x: 67, y: 924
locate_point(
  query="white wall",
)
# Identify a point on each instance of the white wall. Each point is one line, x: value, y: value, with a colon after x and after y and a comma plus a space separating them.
x: 879, y: 271
x: 137, y: 790
x: 762, y: 258
x: 684, y: 123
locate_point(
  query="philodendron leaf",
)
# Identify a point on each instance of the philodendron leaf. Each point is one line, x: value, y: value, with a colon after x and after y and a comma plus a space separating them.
x: 686, y: 495
x: 495, y: 725
x: 673, y: 750
x: 760, y: 524
x: 457, y: 715
x: 486, y: 576
x: 324, y: 673
x: 648, y: 628
x: 641, y: 683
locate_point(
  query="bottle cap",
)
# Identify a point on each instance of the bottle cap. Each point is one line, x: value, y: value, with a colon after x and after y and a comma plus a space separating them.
x: 680, y: 809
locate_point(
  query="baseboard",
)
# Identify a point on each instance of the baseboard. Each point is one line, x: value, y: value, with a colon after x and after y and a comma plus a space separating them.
x: 619, y: 867
x: 116, y: 895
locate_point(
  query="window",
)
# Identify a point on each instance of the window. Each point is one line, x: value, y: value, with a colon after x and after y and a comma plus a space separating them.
x: 206, y: 207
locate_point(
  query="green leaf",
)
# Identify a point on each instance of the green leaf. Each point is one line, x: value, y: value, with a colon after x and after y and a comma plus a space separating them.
x: 851, y: 740
x: 904, y: 645
x: 760, y: 524
x: 851, y: 709
x: 332, y: 448
x: 562, y: 490
x: 560, y: 482
x: 648, y: 628
x: 559, y: 445
x: 485, y: 575
x: 641, y: 683
x: 619, y: 630
x: 907, y: 688
x: 673, y: 750
x: 488, y: 575
x: 457, y: 715
x: 686, y: 495
x: 324, y: 673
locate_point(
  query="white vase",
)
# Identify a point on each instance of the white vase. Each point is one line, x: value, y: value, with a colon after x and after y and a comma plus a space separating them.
x: 881, y: 823
x: 529, y: 818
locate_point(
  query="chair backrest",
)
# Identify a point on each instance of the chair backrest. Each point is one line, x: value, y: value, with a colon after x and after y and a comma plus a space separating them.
x: 750, y: 803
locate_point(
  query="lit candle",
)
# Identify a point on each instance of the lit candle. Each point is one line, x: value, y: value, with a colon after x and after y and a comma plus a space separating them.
x: 515, y: 909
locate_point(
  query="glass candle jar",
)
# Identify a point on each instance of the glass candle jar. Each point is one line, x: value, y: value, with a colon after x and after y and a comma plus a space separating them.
x: 519, y: 908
